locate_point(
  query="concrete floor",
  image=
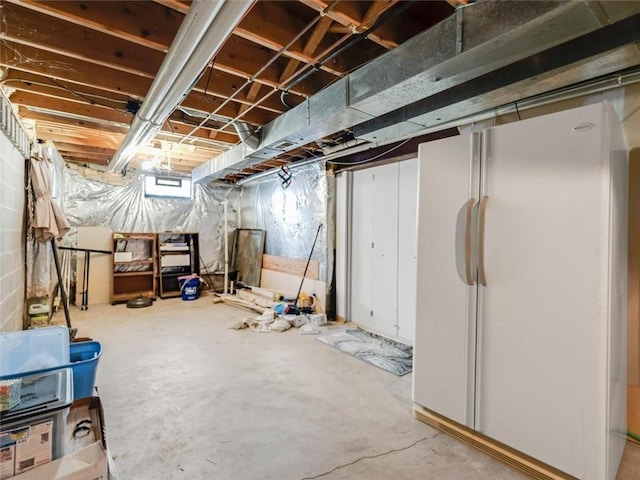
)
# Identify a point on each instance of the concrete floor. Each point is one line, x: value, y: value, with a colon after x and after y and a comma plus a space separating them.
x: 185, y: 397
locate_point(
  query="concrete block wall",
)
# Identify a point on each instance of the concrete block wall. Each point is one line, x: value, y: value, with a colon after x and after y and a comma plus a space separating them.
x: 12, y: 238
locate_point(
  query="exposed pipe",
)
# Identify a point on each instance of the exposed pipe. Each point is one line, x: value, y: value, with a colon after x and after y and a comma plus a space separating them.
x: 247, y: 133
x: 201, y: 35
x: 343, y: 146
x: 226, y: 249
x: 277, y: 55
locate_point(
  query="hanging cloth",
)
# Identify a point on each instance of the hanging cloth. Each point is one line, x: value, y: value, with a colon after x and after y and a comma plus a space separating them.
x: 49, y: 221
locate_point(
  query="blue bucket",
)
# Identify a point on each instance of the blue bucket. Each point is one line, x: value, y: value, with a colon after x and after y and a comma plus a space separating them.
x: 189, y: 287
x: 84, y: 358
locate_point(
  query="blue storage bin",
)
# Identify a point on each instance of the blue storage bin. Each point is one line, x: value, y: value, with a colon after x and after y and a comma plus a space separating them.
x: 84, y: 357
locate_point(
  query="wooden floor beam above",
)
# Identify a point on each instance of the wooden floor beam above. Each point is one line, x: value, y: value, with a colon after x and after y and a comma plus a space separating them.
x: 80, y: 70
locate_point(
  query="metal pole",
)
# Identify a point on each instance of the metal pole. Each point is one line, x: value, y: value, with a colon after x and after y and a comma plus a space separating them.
x: 308, y: 261
x: 86, y: 291
x: 226, y: 250
x: 63, y: 293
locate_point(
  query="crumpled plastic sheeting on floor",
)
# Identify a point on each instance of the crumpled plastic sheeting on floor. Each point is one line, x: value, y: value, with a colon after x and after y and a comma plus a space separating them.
x: 124, y: 208
x: 268, y: 322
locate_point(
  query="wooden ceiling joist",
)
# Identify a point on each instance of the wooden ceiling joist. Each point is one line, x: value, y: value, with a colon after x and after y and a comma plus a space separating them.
x: 217, y: 86
x: 35, y: 29
x: 319, y: 31
x: 88, y: 157
x: 79, y: 43
x: 80, y: 69
x: 72, y: 147
x: 107, y: 111
x: 84, y: 160
x: 126, y: 56
x: 35, y: 83
x: 176, y: 5
x: 53, y: 118
x: 262, y: 26
x: 349, y: 15
x: 72, y: 107
x: 58, y: 135
x: 144, y: 23
x: 243, y: 58
x: 77, y: 72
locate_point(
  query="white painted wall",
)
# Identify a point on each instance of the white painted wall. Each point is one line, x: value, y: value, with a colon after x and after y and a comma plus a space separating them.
x: 12, y: 261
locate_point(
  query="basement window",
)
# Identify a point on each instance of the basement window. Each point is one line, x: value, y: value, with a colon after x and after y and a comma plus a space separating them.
x: 174, y: 187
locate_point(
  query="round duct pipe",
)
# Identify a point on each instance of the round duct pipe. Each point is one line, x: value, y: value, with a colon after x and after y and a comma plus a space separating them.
x: 249, y: 134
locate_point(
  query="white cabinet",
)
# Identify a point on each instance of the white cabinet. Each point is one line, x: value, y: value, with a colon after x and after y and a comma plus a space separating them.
x: 382, y: 253
x: 407, y: 266
x: 522, y: 277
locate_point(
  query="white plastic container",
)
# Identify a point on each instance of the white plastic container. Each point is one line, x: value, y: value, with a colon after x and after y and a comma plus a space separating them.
x: 32, y: 350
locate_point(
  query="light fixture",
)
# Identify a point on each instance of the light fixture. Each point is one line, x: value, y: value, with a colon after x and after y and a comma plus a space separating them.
x: 201, y: 35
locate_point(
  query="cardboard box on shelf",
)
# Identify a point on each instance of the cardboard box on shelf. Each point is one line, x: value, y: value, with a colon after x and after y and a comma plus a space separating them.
x: 86, y: 456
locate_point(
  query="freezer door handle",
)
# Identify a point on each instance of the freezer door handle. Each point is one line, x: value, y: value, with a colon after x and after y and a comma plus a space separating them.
x: 482, y: 212
x: 464, y: 242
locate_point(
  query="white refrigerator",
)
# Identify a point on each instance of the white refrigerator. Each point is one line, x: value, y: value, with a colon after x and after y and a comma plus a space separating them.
x: 521, y: 320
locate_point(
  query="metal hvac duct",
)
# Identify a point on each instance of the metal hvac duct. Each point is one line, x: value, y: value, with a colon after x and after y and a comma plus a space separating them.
x: 247, y: 133
x: 479, y: 40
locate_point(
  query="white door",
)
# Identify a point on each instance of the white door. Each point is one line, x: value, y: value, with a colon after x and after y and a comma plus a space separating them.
x: 542, y: 317
x: 361, y: 250
x: 384, y: 277
x: 444, y: 346
x: 407, y: 237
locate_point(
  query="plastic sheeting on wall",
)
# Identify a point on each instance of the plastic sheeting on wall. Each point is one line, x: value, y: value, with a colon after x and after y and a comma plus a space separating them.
x: 124, y: 208
x: 290, y: 216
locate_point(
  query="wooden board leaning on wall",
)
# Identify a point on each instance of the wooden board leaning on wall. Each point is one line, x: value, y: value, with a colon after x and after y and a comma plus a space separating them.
x: 291, y: 266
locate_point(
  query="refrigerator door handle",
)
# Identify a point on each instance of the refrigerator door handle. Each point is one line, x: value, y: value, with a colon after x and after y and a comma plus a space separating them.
x: 464, y: 242
x: 482, y: 212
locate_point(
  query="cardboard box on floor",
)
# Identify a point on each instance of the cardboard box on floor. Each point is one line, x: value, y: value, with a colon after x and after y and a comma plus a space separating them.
x: 86, y: 444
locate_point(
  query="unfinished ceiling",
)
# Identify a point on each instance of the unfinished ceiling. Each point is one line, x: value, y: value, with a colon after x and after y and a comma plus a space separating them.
x: 78, y: 71
x: 224, y: 90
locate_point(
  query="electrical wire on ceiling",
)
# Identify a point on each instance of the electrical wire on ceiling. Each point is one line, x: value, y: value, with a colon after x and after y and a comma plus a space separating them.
x: 367, y: 160
x: 356, y: 38
x: 89, y: 97
x: 206, y: 87
x: 253, y: 77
